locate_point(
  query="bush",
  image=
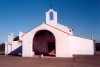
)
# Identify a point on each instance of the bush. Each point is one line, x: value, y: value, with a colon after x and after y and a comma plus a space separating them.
x: 2, y: 48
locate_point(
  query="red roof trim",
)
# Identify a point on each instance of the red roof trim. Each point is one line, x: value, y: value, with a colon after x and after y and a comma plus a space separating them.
x: 58, y: 29
x: 66, y: 32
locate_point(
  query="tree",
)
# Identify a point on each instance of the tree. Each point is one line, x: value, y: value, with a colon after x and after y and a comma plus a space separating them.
x: 16, y: 38
x: 2, y: 48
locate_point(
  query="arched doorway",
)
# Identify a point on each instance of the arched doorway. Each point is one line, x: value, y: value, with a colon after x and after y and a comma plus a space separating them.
x: 44, y: 43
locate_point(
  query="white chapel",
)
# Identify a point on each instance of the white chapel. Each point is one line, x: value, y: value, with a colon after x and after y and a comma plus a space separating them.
x: 50, y: 39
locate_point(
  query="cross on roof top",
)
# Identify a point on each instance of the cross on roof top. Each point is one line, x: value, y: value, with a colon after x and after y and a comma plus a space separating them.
x: 51, y: 6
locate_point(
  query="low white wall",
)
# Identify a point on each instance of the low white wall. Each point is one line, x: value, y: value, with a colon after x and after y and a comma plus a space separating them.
x: 13, y: 48
x: 81, y: 46
x: 16, y: 47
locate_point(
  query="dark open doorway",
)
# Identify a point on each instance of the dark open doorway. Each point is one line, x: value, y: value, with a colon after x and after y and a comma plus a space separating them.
x: 44, y: 43
x: 51, y: 48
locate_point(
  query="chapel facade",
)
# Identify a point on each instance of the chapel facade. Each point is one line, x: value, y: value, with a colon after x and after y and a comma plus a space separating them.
x: 50, y: 39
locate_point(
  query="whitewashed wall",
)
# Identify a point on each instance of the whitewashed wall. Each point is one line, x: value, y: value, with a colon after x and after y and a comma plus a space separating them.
x: 7, y: 48
x: 81, y: 46
x: 62, y: 43
x: 16, y: 47
x: 12, y: 48
x: 63, y: 47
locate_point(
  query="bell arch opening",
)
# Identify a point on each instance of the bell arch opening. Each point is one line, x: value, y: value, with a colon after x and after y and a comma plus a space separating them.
x: 51, y: 16
x: 44, y: 43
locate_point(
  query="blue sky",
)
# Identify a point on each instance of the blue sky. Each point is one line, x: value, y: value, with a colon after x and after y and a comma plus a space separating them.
x: 22, y: 15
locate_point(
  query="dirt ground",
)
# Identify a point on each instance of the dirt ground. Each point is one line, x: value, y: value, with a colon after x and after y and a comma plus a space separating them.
x: 76, y: 61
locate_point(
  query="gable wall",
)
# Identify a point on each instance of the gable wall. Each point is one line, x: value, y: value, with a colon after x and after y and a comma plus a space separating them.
x: 62, y: 42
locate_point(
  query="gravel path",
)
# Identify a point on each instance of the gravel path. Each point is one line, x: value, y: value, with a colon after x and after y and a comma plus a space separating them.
x: 77, y: 61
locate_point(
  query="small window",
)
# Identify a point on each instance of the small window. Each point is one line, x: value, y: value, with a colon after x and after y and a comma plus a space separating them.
x: 70, y: 30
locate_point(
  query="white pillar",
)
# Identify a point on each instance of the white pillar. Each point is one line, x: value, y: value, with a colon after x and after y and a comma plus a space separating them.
x: 8, y: 44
